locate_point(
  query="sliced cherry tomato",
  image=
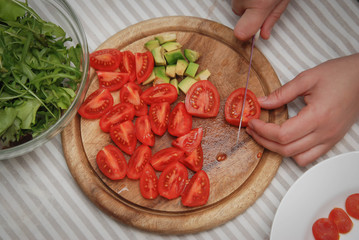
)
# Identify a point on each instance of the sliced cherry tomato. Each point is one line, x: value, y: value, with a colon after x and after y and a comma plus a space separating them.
x: 233, y: 107
x: 118, y: 113
x: 352, y: 205
x: 130, y: 93
x: 138, y: 161
x: 149, y: 183
x: 194, y: 159
x: 128, y: 65
x: 341, y: 219
x: 164, y: 92
x: 111, y: 162
x: 196, y: 192
x: 144, y: 132
x: 202, y: 99
x: 164, y: 157
x: 106, y: 59
x: 112, y: 80
x: 325, y: 229
x: 144, y: 66
x: 97, y: 104
x: 190, y: 141
x: 172, y: 180
x: 159, y: 114
x: 180, y: 121
x: 124, y: 136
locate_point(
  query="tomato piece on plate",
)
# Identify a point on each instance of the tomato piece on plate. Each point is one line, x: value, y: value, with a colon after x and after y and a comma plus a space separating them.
x: 341, y: 219
x: 190, y: 141
x: 128, y: 65
x: 111, y: 162
x: 112, y: 80
x: 194, y: 159
x: 144, y: 65
x: 325, y: 229
x: 180, y: 121
x: 138, y: 161
x: 352, y: 205
x: 159, y: 114
x: 124, y: 136
x: 197, y: 191
x: 130, y: 93
x: 164, y: 157
x: 233, y: 107
x: 149, y: 183
x: 97, y: 104
x: 118, y: 113
x: 202, y: 99
x: 144, y: 132
x: 172, y: 180
x: 164, y: 92
x: 106, y: 59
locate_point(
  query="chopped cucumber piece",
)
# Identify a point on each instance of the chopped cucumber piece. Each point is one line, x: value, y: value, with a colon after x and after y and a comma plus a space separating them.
x: 150, y: 78
x: 158, y: 56
x: 174, y: 82
x: 181, y: 67
x: 167, y: 37
x: 191, y: 69
x: 203, y: 75
x: 186, y: 83
x: 173, y: 56
x: 191, y: 55
x: 151, y: 44
x: 171, y: 46
x: 171, y: 71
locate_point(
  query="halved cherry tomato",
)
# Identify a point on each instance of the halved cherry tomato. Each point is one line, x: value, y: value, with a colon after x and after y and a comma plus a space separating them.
x: 172, y: 180
x: 144, y: 132
x: 196, y: 192
x: 144, y: 66
x: 118, y: 113
x: 128, y: 65
x: 164, y: 92
x: 159, y: 114
x: 111, y: 162
x: 352, y: 205
x: 149, y: 183
x: 233, y: 107
x: 138, y: 161
x: 97, y: 104
x: 130, y: 93
x: 341, y: 219
x: 190, y: 141
x: 202, y: 99
x: 112, y: 80
x: 106, y: 59
x: 180, y: 121
x: 124, y: 136
x: 325, y: 229
x: 194, y: 159
x: 164, y: 157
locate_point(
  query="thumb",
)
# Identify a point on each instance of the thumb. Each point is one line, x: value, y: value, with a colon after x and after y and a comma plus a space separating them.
x: 249, y: 24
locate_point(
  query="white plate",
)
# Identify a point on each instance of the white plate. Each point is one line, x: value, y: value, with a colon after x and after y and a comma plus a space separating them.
x: 314, y: 195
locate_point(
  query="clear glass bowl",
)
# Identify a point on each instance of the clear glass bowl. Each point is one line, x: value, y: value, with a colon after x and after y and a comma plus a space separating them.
x: 62, y: 14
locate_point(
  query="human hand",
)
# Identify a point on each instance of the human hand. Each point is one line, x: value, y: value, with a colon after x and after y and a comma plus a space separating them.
x: 255, y: 15
x: 331, y: 94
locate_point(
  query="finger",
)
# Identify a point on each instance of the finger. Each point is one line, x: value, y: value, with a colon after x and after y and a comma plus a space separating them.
x: 306, y: 157
x: 238, y: 7
x: 273, y: 18
x: 250, y: 22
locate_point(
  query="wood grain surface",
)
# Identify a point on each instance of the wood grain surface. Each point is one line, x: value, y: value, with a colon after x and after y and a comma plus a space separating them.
x: 235, y: 183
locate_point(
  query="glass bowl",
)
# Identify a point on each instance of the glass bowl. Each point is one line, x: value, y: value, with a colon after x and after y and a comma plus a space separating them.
x: 62, y: 14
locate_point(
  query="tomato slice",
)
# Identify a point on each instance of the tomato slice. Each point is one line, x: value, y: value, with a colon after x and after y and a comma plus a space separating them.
x: 180, y: 121
x: 159, y: 114
x: 164, y: 92
x: 124, y: 136
x: 164, y: 157
x: 190, y: 141
x: 149, y: 183
x: 233, y: 107
x: 325, y: 229
x: 202, y: 99
x: 118, y: 113
x: 144, y: 132
x: 111, y: 162
x: 352, y: 205
x: 172, y: 180
x: 196, y: 192
x: 194, y: 159
x: 97, y: 104
x: 341, y: 219
x: 112, y: 80
x: 130, y: 93
x: 128, y: 65
x: 144, y: 65
x: 138, y: 161
x: 106, y: 59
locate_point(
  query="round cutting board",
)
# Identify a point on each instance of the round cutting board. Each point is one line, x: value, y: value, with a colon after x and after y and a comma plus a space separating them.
x: 235, y: 183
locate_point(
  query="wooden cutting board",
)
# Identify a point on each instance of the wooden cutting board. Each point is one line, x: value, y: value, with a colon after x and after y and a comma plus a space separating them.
x: 236, y: 183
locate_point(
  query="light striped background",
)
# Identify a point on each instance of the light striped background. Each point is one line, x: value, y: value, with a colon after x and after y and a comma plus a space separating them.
x: 39, y: 199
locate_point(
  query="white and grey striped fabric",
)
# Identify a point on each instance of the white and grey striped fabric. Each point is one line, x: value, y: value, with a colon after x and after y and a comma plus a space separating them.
x: 39, y: 199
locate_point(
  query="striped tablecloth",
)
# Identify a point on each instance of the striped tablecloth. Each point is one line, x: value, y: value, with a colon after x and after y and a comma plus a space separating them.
x: 39, y: 199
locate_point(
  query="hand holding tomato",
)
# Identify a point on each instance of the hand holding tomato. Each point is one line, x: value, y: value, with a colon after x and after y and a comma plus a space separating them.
x: 330, y: 92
